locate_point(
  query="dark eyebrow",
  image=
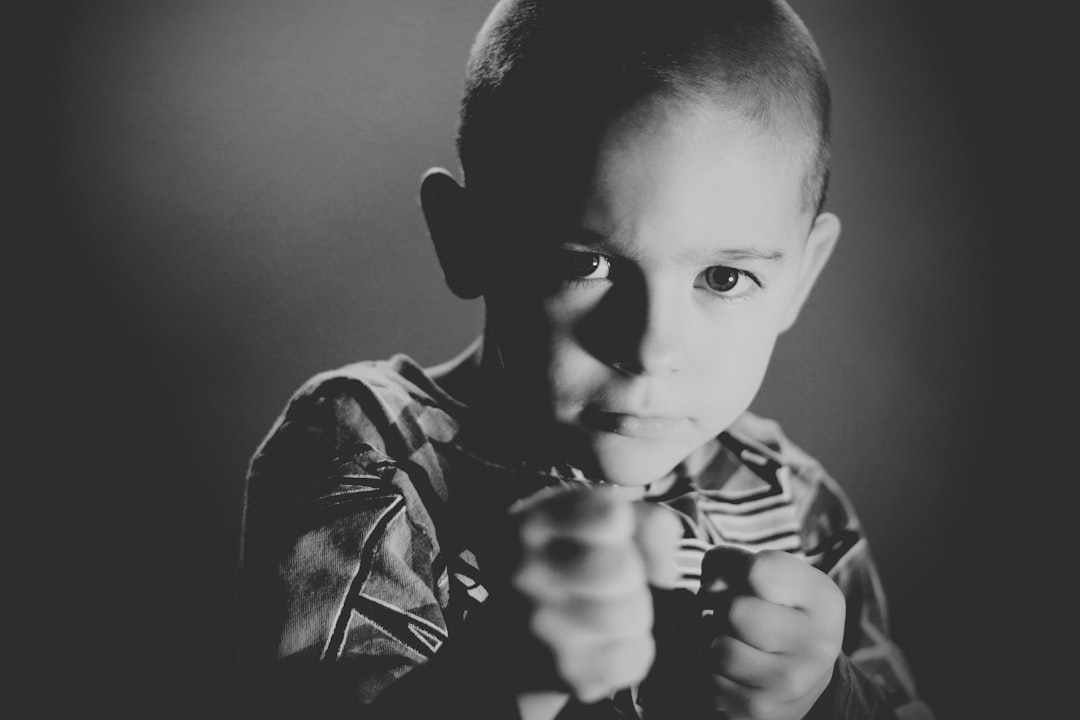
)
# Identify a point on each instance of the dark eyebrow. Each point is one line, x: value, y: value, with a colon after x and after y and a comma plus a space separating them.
x: 581, y: 236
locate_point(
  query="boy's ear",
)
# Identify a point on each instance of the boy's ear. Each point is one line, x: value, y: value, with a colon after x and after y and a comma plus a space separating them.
x: 819, y: 246
x: 446, y: 211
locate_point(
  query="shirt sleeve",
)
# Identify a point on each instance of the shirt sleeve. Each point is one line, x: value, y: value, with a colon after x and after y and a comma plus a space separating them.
x: 872, y: 678
x: 345, y: 592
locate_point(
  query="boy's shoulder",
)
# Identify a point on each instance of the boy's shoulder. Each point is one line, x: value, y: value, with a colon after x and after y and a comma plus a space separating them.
x: 391, y: 405
x: 398, y: 384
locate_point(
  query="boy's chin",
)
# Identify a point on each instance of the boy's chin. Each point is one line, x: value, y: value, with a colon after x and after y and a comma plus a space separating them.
x: 635, y: 463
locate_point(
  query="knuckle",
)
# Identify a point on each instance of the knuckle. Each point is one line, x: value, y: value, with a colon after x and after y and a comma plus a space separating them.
x: 609, y: 571
x: 742, y: 610
x: 548, y: 626
x: 828, y: 648
x: 767, y: 565
x: 574, y: 512
x: 792, y: 685
x: 833, y: 604
x: 803, y: 682
x: 659, y: 526
x: 760, y: 706
x: 770, y: 559
x: 620, y: 617
x: 564, y: 567
x: 532, y: 580
x: 534, y: 530
x: 600, y: 670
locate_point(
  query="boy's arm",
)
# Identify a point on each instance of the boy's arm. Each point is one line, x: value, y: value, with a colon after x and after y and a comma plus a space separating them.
x: 465, y: 678
x: 347, y: 596
x: 780, y: 623
x: 357, y: 597
x: 872, y: 678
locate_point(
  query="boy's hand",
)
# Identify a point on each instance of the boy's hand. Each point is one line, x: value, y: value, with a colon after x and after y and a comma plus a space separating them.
x: 589, y: 556
x: 779, y: 624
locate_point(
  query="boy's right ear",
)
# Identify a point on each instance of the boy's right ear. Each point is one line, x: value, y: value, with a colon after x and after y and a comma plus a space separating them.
x: 446, y: 211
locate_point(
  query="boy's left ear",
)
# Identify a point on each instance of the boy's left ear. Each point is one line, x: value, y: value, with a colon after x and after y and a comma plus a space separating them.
x: 819, y: 246
x: 446, y: 210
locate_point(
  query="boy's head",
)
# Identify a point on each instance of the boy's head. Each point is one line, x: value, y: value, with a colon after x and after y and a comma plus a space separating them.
x: 546, y: 76
x: 641, y: 211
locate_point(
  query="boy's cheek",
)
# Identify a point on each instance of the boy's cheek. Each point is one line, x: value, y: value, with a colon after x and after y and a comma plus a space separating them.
x: 539, y: 344
x: 523, y: 340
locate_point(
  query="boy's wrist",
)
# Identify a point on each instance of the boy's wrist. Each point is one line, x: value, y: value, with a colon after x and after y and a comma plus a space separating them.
x: 678, y: 684
x: 526, y: 664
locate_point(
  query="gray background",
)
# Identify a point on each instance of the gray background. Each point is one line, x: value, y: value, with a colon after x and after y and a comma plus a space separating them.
x: 215, y: 200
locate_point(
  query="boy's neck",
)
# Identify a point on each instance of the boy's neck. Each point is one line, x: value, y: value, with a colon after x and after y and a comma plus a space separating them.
x: 460, y: 376
x: 476, y: 378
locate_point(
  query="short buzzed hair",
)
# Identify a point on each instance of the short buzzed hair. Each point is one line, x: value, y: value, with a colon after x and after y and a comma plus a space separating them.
x: 546, y: 76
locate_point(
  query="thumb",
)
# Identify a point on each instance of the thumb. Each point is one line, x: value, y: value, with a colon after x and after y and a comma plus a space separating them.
x: 725, y: 572
x: 657, y: 533
x: 725, y: 567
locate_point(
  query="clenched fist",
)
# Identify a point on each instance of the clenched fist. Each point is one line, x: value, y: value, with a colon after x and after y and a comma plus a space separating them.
x: 777, y: 626
x: 589, y: 556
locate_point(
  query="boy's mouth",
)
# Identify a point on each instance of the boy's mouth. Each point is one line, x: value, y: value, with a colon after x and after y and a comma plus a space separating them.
x: 646, y: 427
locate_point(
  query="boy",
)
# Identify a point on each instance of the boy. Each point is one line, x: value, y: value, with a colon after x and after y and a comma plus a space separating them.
x: 577, y: 517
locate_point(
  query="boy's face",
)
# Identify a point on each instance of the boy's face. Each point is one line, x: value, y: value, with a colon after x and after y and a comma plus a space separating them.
x: 646, y: 327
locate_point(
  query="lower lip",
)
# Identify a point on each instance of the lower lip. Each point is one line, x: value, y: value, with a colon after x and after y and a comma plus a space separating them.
x: 637, y: 426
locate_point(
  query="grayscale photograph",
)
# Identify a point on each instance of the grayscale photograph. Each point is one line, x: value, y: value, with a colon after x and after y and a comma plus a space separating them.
x: 541, y: 360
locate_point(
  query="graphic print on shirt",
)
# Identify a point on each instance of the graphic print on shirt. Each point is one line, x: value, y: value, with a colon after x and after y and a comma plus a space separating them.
x: 361, y: 603
x: 751, y: 508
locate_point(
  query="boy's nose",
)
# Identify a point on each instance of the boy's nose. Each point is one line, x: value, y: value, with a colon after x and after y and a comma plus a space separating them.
x: 656, y: 337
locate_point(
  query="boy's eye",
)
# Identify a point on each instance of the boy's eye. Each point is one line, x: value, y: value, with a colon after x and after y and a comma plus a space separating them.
x: 578, y: 265
x: 725, y: 281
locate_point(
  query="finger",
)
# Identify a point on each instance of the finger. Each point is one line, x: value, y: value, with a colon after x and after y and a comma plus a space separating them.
x: 779, y: 578
x: 766, y: 626
x: 565, y: 568
x: 577, y: 623
x: 723, y: 578
x: 730, y: 657
x: 726, y: 703
x: 589, y: 514
x: 657, y: 534
x: 738, y: 700
x: 725, y: 567
x: 607, y: 668
x: 784, y: 579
